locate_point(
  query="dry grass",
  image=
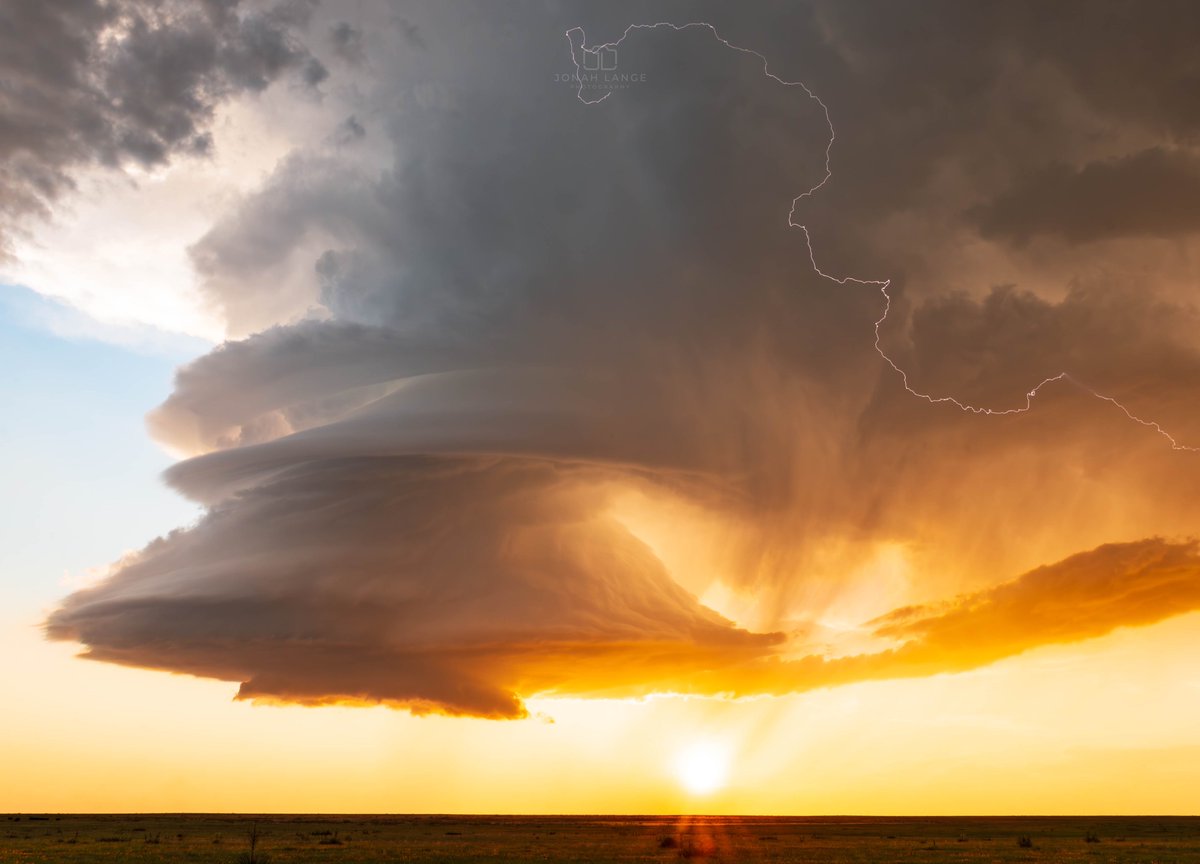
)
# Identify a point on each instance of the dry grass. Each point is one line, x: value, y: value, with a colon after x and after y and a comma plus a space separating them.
x: 361, y: 839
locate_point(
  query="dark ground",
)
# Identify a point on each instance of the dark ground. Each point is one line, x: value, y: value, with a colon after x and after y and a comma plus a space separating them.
x: 831, y: 840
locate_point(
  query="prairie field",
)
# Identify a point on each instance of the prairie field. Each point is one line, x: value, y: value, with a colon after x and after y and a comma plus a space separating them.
x: 282, y: 839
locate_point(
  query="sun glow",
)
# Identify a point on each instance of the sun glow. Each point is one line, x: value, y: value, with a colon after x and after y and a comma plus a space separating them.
x: 702, y: 766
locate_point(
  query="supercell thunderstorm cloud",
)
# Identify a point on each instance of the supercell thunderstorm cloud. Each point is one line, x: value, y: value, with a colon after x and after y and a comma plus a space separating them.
x: 526, y: 396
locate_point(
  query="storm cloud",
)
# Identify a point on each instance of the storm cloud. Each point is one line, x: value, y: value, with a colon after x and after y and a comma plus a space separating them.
x: 126, y: 83
x: 510, y: 393
x: 1154, y: 193
x: 453, y: 584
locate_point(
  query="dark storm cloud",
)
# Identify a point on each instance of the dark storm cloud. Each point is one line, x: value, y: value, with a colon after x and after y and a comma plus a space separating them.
x: 462, y: 360
x: 1152, y: 193
x: 347, y: 41
x: 126, y: 82
x: 412, y: 33
x: 1128, y: 59
x: 944, y: 107
x: 1102, y: 331
x: 350, y: 130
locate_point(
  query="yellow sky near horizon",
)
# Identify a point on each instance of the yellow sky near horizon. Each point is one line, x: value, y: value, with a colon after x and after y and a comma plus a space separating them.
x: 1104, y: 726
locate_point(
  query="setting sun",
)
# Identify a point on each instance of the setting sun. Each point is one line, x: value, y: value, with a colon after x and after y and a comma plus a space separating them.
x: 702, y: 767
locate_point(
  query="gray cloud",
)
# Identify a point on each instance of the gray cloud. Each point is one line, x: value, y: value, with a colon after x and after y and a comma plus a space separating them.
x: 350, y: 130
x: 454, y: 585
x: 1103, y: 331
x: 412, y: 33
x: 347, y: 41
x: 457, y: 362
x: 487, y: 160
x: 1152, y: 193
x: 126, y: 83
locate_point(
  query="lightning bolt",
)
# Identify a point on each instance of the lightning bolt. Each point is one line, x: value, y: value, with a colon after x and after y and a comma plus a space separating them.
x: 881, y: 284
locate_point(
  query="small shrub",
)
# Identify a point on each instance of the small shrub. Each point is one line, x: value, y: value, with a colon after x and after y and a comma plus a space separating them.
x: 697, y: 849
x: 253, y: 856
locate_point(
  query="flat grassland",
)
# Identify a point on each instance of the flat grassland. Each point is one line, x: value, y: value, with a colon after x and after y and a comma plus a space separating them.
x: 225, y: 839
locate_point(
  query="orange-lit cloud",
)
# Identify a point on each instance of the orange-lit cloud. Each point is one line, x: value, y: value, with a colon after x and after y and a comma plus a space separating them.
x: 1082, y: 597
